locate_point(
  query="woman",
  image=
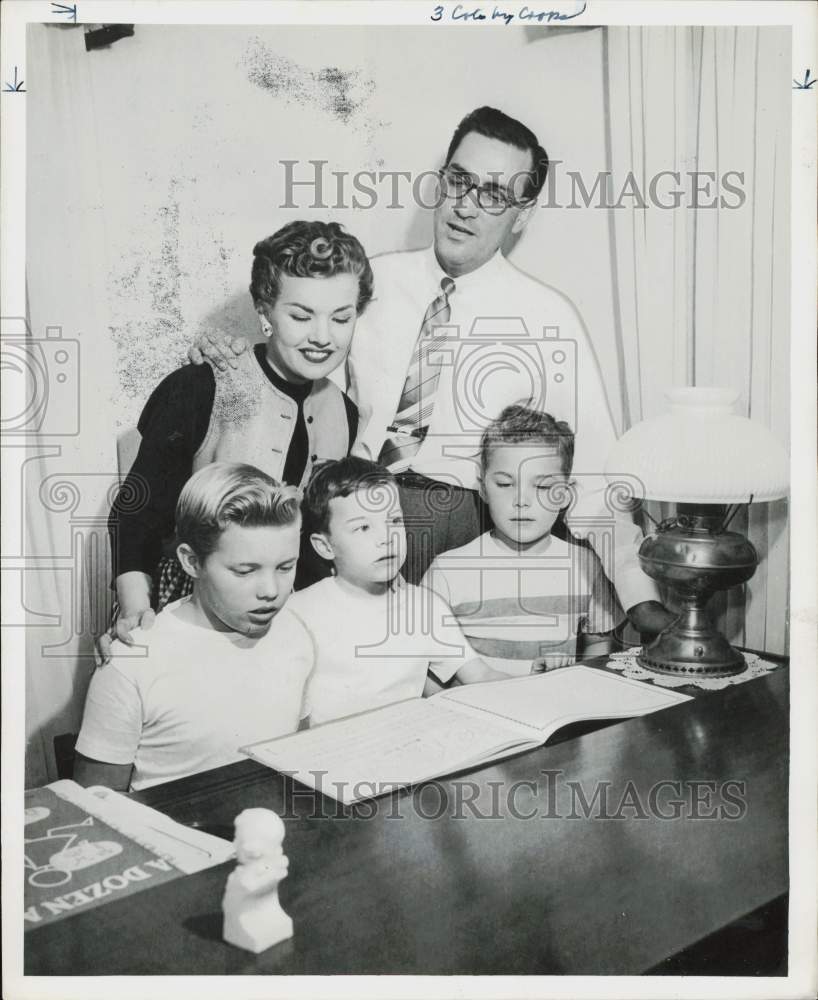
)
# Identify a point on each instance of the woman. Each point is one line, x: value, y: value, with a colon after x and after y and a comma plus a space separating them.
x: 276, y: 409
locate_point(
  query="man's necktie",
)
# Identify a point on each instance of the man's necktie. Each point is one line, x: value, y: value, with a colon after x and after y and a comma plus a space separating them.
x: 406, y: 433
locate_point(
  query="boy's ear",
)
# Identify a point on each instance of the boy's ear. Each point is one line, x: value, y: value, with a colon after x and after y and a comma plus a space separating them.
x: 189, y: 560
x: 322, y: 546
x: 481, y: 487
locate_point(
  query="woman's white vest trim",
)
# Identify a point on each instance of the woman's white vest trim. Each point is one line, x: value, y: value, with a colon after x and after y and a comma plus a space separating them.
x: 253, y: 422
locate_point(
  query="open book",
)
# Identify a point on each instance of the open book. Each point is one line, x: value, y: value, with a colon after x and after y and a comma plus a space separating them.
x: 373, y: 753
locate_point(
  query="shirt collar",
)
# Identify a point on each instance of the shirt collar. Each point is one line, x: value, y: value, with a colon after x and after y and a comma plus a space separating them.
x: 466, y: 281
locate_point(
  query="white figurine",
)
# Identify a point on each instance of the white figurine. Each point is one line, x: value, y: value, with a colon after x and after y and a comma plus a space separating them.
x: 253, y: 918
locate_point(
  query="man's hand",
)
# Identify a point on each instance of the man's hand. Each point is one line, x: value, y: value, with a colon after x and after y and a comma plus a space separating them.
x: 650, y: 618
x: 552, y: 661
x: 220, y: 351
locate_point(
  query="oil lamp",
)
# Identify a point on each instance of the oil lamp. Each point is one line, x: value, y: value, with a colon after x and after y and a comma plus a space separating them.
x: 708, y: 460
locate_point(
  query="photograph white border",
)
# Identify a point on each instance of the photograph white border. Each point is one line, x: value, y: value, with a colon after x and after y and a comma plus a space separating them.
x: 801, y: 980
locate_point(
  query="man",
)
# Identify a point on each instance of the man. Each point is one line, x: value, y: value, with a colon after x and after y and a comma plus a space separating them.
x: 454, y: 334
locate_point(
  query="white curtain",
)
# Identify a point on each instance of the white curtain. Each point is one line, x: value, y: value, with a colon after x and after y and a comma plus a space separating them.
x: 71, y: 467
x: 702, y: 295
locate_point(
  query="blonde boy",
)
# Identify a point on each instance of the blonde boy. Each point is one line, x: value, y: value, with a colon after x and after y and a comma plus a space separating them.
x: 220, y: 668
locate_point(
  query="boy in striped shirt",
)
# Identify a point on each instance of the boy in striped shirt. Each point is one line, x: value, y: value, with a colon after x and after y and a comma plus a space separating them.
x: 527, y: 600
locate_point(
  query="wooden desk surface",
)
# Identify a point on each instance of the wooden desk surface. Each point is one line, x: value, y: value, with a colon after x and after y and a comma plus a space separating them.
x: 382, y: 888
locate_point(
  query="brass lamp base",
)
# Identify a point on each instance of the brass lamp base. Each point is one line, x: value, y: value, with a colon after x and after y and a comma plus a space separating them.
x: 694, y: 555
x: 703, y: 652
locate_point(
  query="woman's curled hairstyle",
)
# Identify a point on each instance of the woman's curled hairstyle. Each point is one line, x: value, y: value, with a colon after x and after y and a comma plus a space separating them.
x: 308, y: 250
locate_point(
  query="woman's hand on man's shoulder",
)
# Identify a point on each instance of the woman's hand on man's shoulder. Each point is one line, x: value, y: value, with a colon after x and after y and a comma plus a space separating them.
x: 220, y: 350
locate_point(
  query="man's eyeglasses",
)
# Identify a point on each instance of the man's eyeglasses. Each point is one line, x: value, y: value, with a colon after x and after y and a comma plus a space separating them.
x: 491, y: 198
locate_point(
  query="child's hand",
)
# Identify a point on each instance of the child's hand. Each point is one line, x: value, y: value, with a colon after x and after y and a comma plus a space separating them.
x: 551, y: 661
x: 221, y: 351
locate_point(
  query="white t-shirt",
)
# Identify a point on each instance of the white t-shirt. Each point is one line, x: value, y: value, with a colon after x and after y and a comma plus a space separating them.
x: 514, y: 607
x: 371, y: 651
x: 192, y: 696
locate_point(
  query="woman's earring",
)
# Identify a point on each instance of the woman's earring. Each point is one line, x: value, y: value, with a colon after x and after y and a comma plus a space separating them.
x: 266, y: 326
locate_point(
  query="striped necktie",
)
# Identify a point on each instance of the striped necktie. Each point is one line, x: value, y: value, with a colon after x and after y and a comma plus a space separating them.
x: 406, y: 433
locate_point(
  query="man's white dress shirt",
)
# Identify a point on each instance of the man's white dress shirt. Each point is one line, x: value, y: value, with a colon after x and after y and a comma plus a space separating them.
x: 511, y: 339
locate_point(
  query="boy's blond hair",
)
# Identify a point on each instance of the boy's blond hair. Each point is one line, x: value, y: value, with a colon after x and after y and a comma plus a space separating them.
x: 225, y: 493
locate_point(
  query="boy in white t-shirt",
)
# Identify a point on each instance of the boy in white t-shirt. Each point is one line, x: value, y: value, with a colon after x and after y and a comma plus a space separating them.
x: 376, y: 637
x: 221, y: 668
x: 526, y: 600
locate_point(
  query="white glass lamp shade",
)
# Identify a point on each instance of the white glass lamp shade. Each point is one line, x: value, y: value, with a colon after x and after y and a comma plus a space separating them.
x: 701, y: 451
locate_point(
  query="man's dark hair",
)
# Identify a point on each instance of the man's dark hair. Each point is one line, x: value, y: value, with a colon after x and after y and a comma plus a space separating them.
x: 496, y: 124
x: 340, y: 478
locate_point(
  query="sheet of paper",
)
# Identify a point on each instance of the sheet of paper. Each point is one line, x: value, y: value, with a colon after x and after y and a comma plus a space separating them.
x: 552, y: 700
x: 370, y: 754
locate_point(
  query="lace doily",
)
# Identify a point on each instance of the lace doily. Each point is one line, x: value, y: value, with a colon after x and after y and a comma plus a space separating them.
x: 625, y: 663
